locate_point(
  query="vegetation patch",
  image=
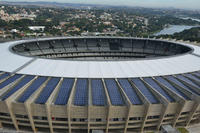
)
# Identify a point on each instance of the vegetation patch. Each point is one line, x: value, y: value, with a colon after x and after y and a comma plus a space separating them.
x: 183, y: 130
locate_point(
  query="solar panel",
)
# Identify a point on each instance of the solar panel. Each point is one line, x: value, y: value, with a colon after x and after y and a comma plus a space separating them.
x: 98, y: 93
x: 23, y: 82
x: 81, y: 95
x: 113, y: 91
x: 172, y: 79
x: 187, y: 80
x: 130, y: 91
x: 32, y: 88
x: 48, y: 89
x: 167, y: 84
x: 153, y: 84
x: 9, y: 80
x: 197, y: 74
x: 4, y: 76
x: 192, y: 77
x: 145, y: 91
x: 64, y: 92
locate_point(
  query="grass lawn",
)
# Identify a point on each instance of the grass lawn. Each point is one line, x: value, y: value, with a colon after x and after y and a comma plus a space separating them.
x: 182, y: 130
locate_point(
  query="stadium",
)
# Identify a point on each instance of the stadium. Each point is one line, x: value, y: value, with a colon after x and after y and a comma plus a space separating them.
x: 112, y: 84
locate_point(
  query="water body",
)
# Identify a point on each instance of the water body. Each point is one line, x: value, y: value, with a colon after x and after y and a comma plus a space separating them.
x: 195, y: 19
x: 173, y: 29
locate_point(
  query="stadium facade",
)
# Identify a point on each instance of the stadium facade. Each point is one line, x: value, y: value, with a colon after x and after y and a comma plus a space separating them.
x: 114, y: 84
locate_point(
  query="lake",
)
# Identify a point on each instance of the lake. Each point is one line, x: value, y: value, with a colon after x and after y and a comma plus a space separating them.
x: 173, y: 29
x: 195, y: 19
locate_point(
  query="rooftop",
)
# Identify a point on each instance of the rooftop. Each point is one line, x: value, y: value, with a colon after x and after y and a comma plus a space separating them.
x: 34, y: 65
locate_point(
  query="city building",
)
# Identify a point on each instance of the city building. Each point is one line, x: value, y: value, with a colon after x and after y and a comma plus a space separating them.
x: 35, y: 28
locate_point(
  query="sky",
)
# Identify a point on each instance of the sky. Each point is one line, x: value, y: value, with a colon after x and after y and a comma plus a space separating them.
x: 185, y: 4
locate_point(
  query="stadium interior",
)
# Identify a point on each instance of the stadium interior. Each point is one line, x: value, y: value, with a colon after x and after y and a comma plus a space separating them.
x: 100, y: 49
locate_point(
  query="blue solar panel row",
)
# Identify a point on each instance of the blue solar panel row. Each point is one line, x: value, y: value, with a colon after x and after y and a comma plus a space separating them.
x: 113, y: 91
x: 197, y: 74
x: 9, y: 80
x: 174, y: 80
x: 192, y: 77
x: 81, y: 95
x: 167, y: 84
x: 145, y: 91
x: 98, y: 93
x: 187, y: 80
x: 23, y: 82
x: 130, y: 91
x: 46, y: 92
x: 4, y: 76
x: 64, y: 92
x: 153, y: 84
x: 32, y: 88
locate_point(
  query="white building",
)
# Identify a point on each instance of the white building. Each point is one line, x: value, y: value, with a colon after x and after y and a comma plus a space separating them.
x: 35, y: 28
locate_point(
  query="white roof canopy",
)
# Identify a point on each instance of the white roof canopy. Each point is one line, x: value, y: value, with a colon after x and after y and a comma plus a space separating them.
x: 11, y: 62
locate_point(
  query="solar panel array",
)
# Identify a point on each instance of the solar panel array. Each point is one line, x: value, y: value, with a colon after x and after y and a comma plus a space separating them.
x: 81, y: 95
x: 192, y: 77
x: 187, y: 80
x: 9, y: 80
x: 153, y: 84
x: 4, y: 76
x: 168, y: 85
x: 32, y: 88
x: 113, y: 91
x: 98, y: 93
x: 196, y: 74
x: 23, y: 82
x: 130, y: 91
x: 46, y: 92
x: 97, y: 89
x: 64, y: 92
x: 145, y: 91
x: 172, y: 79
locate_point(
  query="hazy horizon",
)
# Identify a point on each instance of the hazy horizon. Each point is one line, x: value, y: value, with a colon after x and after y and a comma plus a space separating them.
x: 184, y: 4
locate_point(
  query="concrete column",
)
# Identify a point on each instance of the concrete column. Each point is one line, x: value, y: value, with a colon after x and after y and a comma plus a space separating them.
x: 69, y: 105
x: 194, y: 109
x: 109, y: 105
x: 145, y: 116
x: 30, y: 101
x: 69, y: 118
x: 9, y: 100
x: 12, y: 115
x: 17, y: 94
x: 179, y: 110
x: 129, y: 105
x: 1, y: 126
x: 108, y: 118
x: 88, y: 119
x: 162, y: 99
x: 30, y: 116
x: 48, y: 104
x: 127, y: 119
x: 147, y: 104
x: 48, y: 111
x: 89, y: 103
x: 165, y: 105
x: 177, y: 97
x: 164, y: 109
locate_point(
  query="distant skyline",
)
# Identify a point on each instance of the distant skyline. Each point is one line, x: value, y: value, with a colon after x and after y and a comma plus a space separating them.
x: 184, y: 4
